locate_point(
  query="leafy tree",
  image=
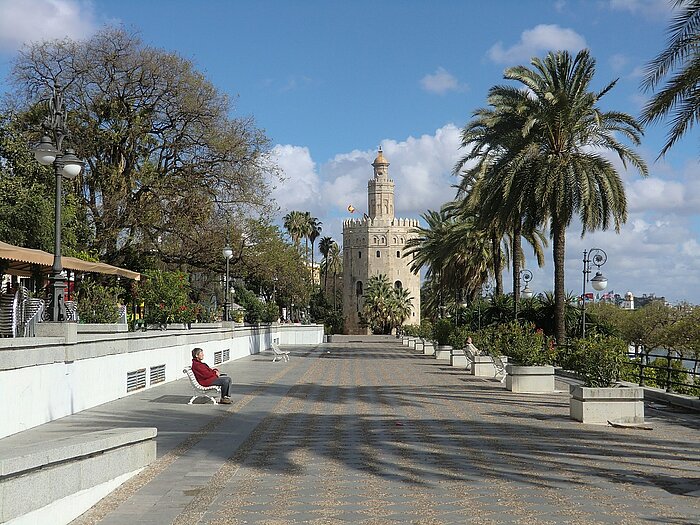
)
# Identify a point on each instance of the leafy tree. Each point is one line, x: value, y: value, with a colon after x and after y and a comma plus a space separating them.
x: 679, y: 66
x: 164, y: 159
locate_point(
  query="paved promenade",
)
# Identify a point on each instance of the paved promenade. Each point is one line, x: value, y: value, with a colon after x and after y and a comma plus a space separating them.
x: 374, y: 433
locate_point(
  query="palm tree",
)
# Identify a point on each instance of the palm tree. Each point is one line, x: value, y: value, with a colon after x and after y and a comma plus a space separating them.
x: 556, y: 167
x: 313, y: 231
x: 457, y: 254
x: 295, y: 224
x: 334, y: 263
x: 385, y: 306
x: 324, y: 246
x: 679, y: 64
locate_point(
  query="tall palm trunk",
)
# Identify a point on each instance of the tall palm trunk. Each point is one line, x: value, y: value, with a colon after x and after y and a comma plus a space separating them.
x: 313, y: 280
x: 496, y: 253
x: 559, y: 251
x: 517, y: 230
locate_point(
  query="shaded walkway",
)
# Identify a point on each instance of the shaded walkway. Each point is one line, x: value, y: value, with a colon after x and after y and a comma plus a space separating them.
x: 374, y: 433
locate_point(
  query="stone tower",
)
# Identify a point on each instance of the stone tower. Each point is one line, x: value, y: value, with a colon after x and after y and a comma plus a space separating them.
x: 374, y: 245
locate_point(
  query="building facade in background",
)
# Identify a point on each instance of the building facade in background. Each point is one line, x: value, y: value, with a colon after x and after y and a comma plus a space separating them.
x: 374, y: 245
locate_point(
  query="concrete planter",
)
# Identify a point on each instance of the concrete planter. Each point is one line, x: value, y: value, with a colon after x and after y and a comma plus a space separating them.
x: 419, y: 345
x: 530, y: 379
x: 443, y: 352
x: 405, y: 340
x: 458, y: 359
x: 428, y: 348
x: 597, y: 406
x: 483, y: 366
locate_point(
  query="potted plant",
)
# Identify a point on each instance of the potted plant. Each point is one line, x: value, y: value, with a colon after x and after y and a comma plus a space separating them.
x: 531, y: 356
x: 425, y: 332
x: 599, y: 361
x: 441, y: 335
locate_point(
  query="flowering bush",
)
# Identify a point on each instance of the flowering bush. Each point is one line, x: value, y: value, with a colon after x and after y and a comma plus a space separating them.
x: 524, y: 344
x: 166, y: 297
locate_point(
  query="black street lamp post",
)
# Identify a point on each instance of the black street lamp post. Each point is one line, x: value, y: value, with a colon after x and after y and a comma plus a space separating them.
x: 599, y: 281
x: 49, y: 152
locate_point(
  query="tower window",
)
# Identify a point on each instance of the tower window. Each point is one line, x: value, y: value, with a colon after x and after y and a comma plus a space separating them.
x: 398, y: 254
x: 378, y: 253
x: 358, y: 288
x: 359, y: 254
x: 398, y: 285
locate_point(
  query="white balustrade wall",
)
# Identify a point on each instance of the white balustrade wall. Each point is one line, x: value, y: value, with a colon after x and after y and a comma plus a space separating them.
x: 46, y: 378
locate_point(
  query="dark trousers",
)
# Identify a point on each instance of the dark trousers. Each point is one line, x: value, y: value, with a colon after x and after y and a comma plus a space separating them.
x: 225, y: 383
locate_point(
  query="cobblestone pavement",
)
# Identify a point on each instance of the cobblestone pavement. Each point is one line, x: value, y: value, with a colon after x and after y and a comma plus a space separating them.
x: 377, y: 434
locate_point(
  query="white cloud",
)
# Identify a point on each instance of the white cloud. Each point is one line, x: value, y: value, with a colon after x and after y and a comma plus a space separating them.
x: 559, y: 6
x: 420, y: 167
x: 537, y: 41
x: 618, y: 61
x: 648, y: 8
x: 24, y: 21
x: 441, y: 82
x: 299, y: 189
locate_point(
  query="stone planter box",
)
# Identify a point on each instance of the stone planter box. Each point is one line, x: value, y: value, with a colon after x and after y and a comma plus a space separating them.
x: 404, y: 340
x: 419, y: 345
x: 412, y: 342
x: 530, y: 379
x: 458, y: 359
x: 483, y: 366
x: 597, y: 406
x: 443, y: 352
x: 428, y: 348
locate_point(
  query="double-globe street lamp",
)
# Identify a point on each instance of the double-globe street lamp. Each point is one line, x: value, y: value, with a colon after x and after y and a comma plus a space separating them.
x: 228, y: 253
x: 65, y: 164
x: 599, y: 282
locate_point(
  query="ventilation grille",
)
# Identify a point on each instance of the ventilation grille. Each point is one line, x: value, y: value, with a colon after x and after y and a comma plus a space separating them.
x: 157, y: 374
x: 227, y: 354
x: 217, y: 357
x: 135, y: 380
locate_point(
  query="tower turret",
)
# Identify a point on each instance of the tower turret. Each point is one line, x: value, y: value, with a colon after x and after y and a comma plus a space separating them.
x: 380, y: 190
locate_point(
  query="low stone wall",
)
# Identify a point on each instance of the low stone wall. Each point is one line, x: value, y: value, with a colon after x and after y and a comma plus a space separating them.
x: 46, y: 378
x: 57, y: 480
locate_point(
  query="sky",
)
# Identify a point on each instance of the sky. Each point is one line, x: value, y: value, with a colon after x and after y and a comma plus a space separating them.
x: 331, y: 81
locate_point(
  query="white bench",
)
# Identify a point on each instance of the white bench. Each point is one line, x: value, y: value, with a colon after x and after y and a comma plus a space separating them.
x: 199, y: 390
x: 279, y: 354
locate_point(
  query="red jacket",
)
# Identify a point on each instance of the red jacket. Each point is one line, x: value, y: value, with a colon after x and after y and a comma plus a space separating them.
x: 205, y: 375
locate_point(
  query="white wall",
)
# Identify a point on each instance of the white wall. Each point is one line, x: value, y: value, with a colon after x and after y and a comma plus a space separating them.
x: 92, y: 371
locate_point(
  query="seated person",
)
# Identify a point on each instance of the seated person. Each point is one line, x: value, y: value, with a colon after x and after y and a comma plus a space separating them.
x: 210, y: 376
x: 470, y: 346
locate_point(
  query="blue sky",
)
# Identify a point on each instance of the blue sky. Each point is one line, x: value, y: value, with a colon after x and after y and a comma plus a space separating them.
x: 329, y: 81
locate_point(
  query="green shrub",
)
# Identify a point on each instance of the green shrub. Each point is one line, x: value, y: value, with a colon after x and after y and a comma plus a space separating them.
x: 458, y: 337
x: 97, y: 303
x: 425, y: 330
x: 441, y: 332
x: 164, y: 295
x: 523, y: 344
x: 411, y: 330
x: 599, y: 359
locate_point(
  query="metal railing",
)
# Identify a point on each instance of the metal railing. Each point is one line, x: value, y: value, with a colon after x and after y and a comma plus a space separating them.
x: 672, y: 378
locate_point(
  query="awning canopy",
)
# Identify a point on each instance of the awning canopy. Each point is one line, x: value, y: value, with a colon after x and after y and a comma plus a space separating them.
x: 21, y: 261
